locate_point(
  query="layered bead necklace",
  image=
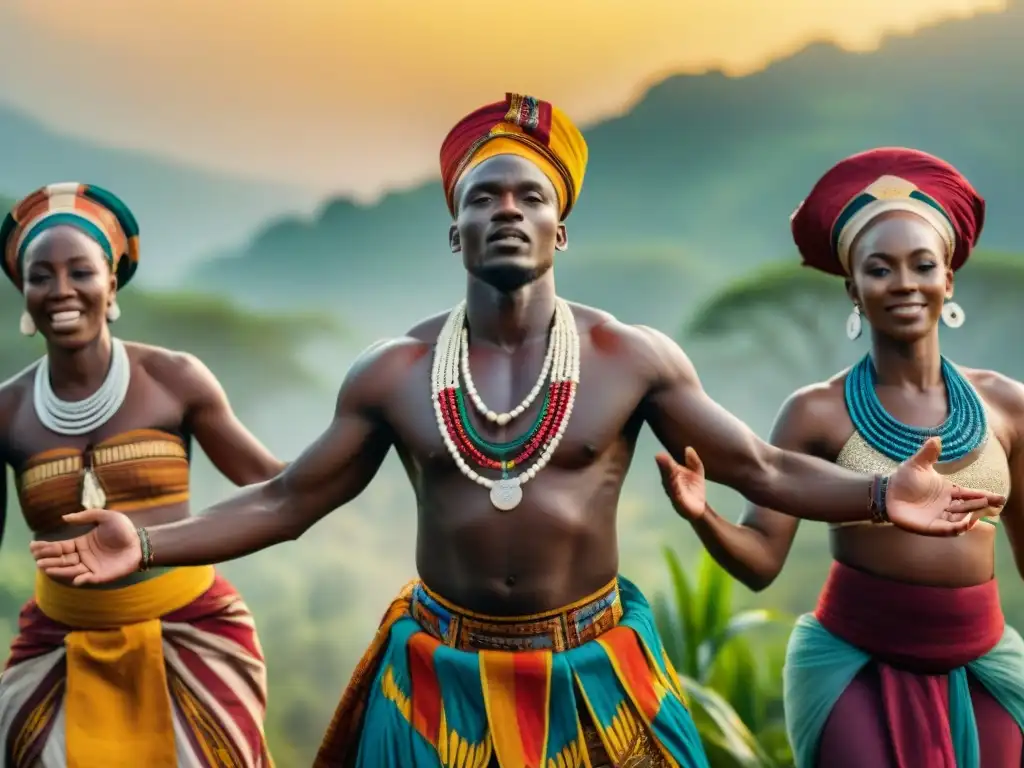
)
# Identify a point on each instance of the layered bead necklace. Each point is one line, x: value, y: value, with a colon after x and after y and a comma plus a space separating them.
x: 962, y: 432
x: 80, y: 417
x: 466, y: 446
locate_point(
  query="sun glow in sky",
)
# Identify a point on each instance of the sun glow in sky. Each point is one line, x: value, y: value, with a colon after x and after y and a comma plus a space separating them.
x: 356, y: 97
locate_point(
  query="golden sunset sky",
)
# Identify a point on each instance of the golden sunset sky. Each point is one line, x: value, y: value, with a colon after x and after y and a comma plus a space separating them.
x: 356, y: 97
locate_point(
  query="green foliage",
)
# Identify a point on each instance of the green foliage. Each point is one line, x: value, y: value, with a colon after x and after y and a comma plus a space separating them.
x: 224, y: 336
x: 765, y: 309
x: 735, y: 691
x: 776, y: 288
x: 17, y: 576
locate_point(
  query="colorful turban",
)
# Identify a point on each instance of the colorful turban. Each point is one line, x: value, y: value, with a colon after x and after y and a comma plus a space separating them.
x: 96, y: 212
x: 519, y: 125
x: 862, y: 187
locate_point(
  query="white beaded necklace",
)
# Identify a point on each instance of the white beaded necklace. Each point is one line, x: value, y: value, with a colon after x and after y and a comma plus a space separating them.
x: 564, y: 365
x: 501, y: 419
x: 80, y: 417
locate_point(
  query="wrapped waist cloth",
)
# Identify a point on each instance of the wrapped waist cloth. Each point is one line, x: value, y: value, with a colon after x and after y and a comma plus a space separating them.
x: 587, y: 685
x: 164, y: 673
x: 923, y: 641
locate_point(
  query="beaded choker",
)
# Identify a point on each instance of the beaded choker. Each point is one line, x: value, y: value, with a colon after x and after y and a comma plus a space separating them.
x: 962, y: 432
x: 466, y: 446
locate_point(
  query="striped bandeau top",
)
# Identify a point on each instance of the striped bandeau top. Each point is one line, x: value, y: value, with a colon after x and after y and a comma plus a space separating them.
x: 135, y: 470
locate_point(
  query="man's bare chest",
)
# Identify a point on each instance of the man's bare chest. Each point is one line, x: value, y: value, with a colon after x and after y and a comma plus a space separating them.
x: 605, y: 412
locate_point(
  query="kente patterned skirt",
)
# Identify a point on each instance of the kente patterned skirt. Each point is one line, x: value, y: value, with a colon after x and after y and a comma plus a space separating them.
x: 586, y: 686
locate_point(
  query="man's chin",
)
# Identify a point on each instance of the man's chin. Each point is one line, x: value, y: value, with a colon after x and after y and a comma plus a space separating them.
x: 508, y: 273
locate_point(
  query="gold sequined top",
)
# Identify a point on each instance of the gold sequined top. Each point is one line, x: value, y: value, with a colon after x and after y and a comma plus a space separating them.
x: 986, y: 469
x: 139, y: 469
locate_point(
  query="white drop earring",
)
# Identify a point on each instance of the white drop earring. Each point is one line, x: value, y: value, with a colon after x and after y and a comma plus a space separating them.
x: 952, y: 314
x: 854, y: 325
x: 27, y: 326
x: 113, y: 312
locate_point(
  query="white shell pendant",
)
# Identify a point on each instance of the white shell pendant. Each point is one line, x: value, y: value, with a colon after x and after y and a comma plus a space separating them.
x: 93, y: 496
x: 506, y: 494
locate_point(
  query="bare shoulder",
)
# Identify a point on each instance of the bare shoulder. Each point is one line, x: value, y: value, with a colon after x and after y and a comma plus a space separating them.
x: 646, y: 349
x: 999, y: 391
x: 427, y: 330
x: 181, y: 373
x: 384, y: 367
x: 589, y: 317
x: 814, y: 418
x: 160, y: 362
x: 14, y: 392
x: 653, y: 355
x: 19, y: 384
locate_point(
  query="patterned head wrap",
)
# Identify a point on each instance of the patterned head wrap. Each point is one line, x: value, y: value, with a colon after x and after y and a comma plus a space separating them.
x: 523, y: 126
x: 95, y: 211
x: 860, y: 188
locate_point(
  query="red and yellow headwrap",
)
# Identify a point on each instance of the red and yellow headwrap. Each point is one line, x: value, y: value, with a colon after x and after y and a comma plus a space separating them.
x: 860, y: 188
x: 93, y: 210
x: 519, y: 125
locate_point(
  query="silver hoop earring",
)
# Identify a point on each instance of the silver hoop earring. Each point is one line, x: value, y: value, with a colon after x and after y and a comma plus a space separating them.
x: 27, y: 326
x: 952, y: 314
x: 854, y: 325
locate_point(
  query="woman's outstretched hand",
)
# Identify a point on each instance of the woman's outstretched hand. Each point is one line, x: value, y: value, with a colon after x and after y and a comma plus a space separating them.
x: 684, y: 484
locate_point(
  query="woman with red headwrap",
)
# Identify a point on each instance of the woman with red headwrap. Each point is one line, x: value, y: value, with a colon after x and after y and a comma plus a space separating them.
x: 907, y: 661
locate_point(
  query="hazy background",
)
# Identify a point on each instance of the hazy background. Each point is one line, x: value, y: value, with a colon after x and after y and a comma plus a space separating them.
x: 282, y: 162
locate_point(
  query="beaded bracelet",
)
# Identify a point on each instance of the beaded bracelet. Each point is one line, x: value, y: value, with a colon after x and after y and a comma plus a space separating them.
x: 147, y: 549
x: 876, y: 499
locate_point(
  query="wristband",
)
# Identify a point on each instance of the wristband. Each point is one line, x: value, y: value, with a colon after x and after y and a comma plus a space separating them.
x: 147, y: 549
x: 876, y: 499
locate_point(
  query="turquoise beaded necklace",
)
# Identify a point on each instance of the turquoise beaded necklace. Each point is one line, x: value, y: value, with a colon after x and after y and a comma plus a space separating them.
x: 962, y: 432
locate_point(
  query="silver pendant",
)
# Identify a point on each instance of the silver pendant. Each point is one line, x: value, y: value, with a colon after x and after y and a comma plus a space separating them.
x: 506, y: 494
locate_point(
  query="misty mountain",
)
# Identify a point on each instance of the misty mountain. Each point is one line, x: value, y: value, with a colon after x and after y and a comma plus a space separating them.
x: 699, y: 178
x: 183, y: 211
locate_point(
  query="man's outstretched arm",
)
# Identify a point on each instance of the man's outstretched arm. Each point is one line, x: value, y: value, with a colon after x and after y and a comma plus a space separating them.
x: 332, y: 471
x: 682, y: 414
